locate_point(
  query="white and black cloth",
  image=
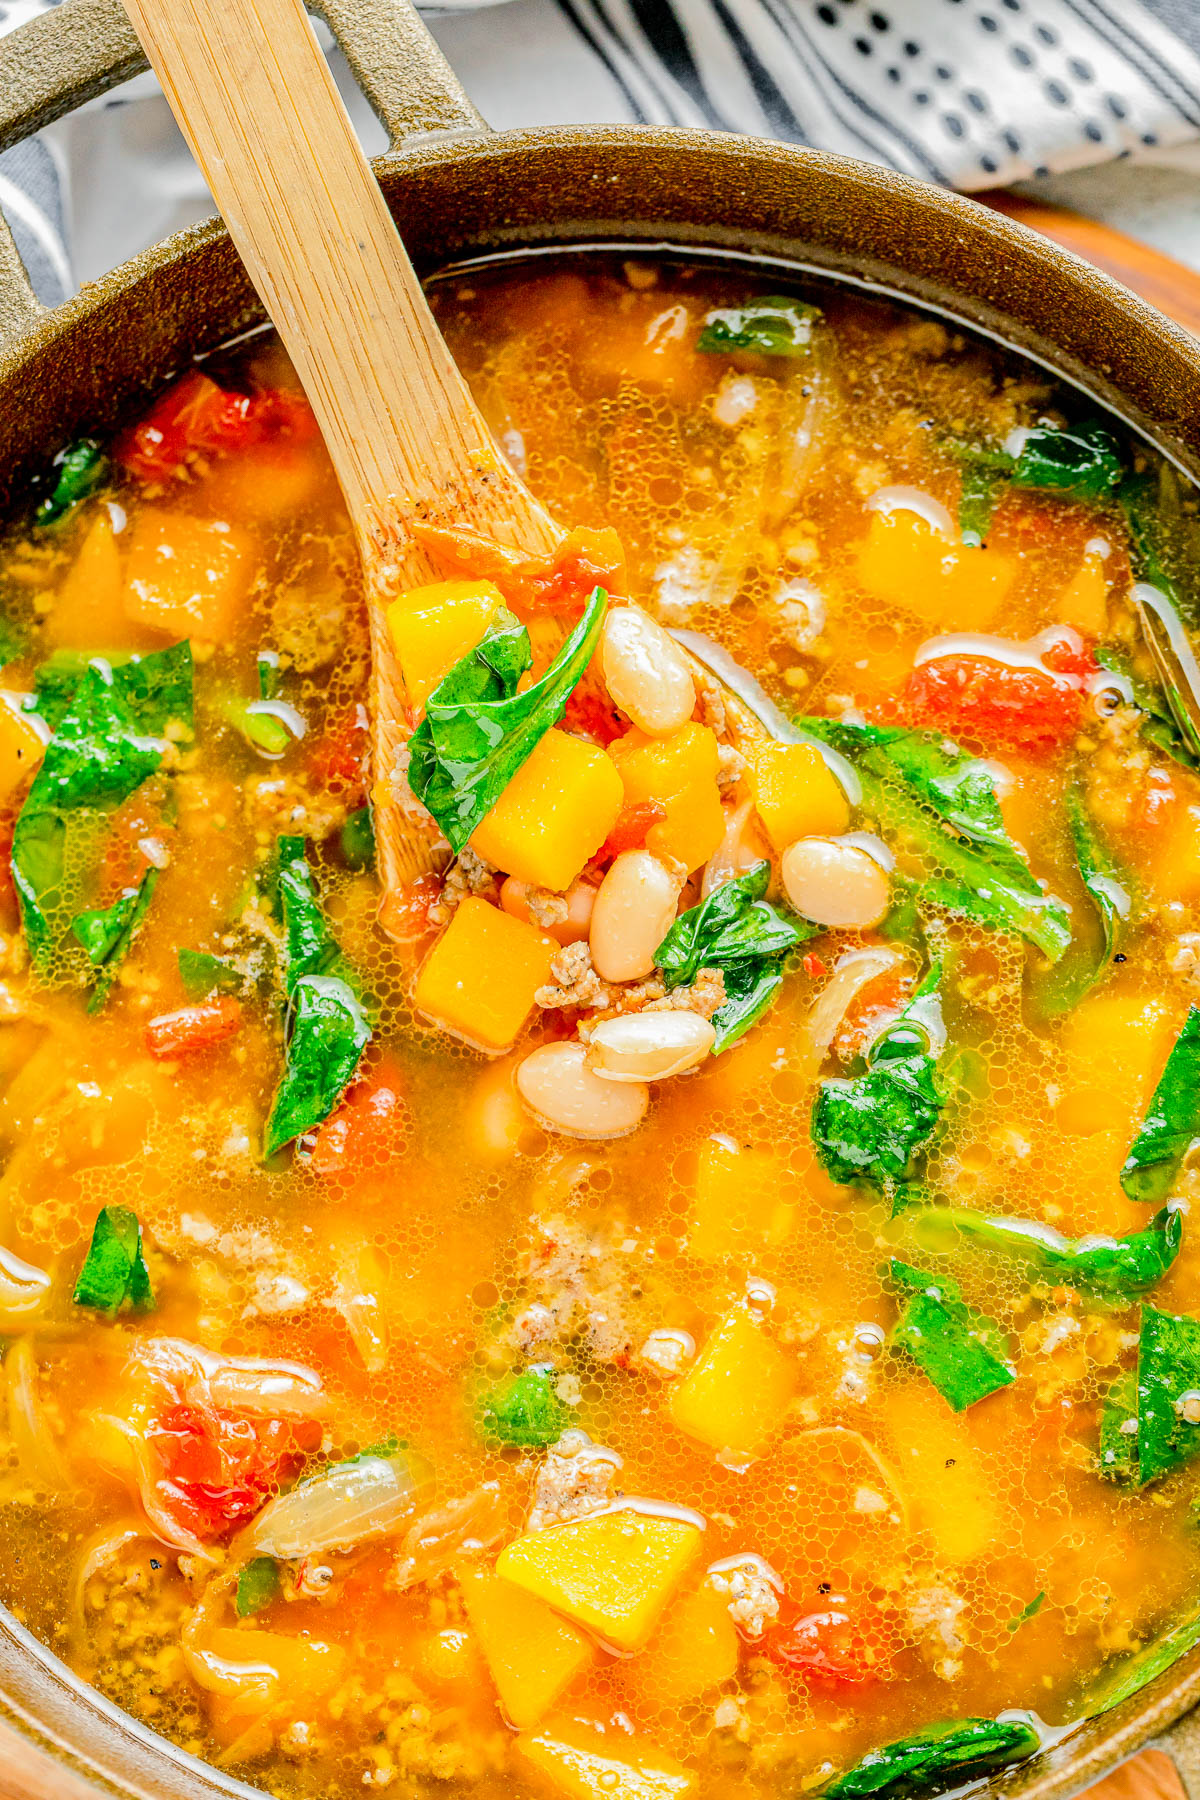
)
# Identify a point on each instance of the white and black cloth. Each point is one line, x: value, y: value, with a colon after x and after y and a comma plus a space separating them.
x: 968, y: 93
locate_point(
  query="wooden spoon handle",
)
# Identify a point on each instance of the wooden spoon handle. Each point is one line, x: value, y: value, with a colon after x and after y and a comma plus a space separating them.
x: 252, y: 91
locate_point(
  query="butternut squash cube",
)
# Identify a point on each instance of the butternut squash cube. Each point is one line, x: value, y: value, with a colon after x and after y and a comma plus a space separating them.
x: 796, y: 793
x: 188, y: 577
x: 479, y: 979
x: 944, y: 1475
x: 89, y: 607
x: 531, y: 1654
x: 735, y: 1394
x: 904, y: 562
x: 680, y: 772
x: 293, y: 1676
x: 554, y: 814
x: 1084, y: 601
x: 21, y: 745
x: 612, y: 1572
x: 436, y: 626
x: 738, y: 1205
x: 694, y: 1649
x: 591, y: 1761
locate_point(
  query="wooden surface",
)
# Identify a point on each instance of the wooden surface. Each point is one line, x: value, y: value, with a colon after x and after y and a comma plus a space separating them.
x: 1165, y: 283
x: 253, y: 94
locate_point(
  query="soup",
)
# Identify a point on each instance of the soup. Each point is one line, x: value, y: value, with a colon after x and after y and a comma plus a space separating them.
x: 700, y: 1298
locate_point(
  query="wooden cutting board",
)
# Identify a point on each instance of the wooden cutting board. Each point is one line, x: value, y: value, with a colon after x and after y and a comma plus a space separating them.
x: 1165, y: 283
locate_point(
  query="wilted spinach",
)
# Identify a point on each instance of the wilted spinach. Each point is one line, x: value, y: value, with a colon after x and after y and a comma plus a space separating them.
x: 775, y: 325
x: 1083, y: 969
x: 478, y: 730
x: 738, y: 932
x: 107, y: 934
x: 80, y: 470
x: 1112, y: 1267
x: 963, y: 1352
x: 114, y: 1269
x: 941, y: 1756
x: 1163, y: 1400
x: 1172, y: 1123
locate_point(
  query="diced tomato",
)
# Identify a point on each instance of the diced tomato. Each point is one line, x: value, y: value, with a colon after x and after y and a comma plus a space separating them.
x: 1005, y: 707
x: 875, y: 1005
x: 591, y: 714
x: 196, y: 417
x: 136, y: 828
x: 216, y: 1468
x: 367, y: 1130
x: 841, y: 1642
x: 192, y: 1028
x: 404, y: 914
x: 340, y: 755
x: 629, y: 832
x: 558, y: 583
x: 813, y: 966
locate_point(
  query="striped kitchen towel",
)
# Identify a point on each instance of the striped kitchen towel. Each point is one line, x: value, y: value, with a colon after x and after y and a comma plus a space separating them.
x: 969, y: 93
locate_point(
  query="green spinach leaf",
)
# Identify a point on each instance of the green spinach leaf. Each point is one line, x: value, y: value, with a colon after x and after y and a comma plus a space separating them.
x: 1168, y: 1392
x: 109, y: 740
x: 1083, y: 462
x: 81, y: 469
x: 478, y: 730
x: 203, y: 974
x: 963, y: 1352
x: 524, y: 1411
x: 329, y: 1032
x: 1172, y: 1124
x: 775, y: 325
x: 107, y: 934
x: 1028, y: 1612
x: 257, y: 1586
x: 870, y: 1126
x: 1158, y: 723
x: 114, y: 1270
x: 1118, y: 1429
x: 1139, y: 1670
x: 1112, y: 1267
x: 740, y: 933
x: 358, y: 839
x: 940, y: 803
x: 1084, y: 968
x: 941, y: 1756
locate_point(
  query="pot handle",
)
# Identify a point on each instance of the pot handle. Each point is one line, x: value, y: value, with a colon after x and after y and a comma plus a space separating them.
x: 1181, y: 1741
x: 83, y: 48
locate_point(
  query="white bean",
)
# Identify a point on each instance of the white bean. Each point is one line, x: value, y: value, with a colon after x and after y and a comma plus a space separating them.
x: 649, y: 1046
x: 633, y: 911
x: 565, y: 1096
x: 833, y: 883
x: 646, y: 672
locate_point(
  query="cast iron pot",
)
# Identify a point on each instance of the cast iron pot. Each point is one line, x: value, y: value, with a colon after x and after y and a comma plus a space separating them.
x: 459, y: 191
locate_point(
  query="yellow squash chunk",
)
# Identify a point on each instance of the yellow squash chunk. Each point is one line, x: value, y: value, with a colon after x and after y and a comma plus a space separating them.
x: 735, y: 1394
x: 188, y: 577
x: 479, y: 979
x: 21, y: 746
x: 1084, y: 601
x: 795, y: 793
x: 612, y: 1573
x: 680, y: 772
x: 554, y: 814
x: 531, y: 1653
x: 589, y: 1761
x: 694, y: 1649
x: 737, y: 1206
x: 89, y: 607
x: 904, y: 562
x: 943, y: 1474
x: 291, y: 1677
x: 434, y: 627
x: 1116, y: 1045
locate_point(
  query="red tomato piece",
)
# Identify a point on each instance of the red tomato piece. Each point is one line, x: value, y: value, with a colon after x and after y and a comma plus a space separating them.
x: 367, y: 1130
x: 340, y: 755
x: 216, y: 1468
x: 192, y: 1028
x: 875, y: 1005
x: 196, y: 417
x: 558, y: 583
x: 591, y: 714
x: 404, y: 914
x: 842, y: 1642
x: 812, y: 965
x: 629, y: 832
x: 998, y: 705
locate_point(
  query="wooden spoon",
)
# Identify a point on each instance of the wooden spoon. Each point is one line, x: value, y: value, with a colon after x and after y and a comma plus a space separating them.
x: 253, y: 95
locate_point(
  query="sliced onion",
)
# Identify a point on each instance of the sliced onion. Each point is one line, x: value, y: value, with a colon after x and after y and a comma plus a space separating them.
x: 467, y: 1525
x: 851, y: 973
x: 148, y: 1487
x: 260, y: 1386
x: 888, y: 500
x: 98, y: 1552
x: 741, y: 847
x: 23, y: 1291
x: 351, y: 1504
x: 37, y: 1450
x: 255, y: 1682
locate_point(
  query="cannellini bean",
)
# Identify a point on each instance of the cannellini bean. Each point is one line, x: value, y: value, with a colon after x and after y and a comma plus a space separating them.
x: 580, y: 897
x: 633, y: 912
x: 646, y: 672
x: 833, y: 883
x: 649, y: 1046
x: 565, y: 1096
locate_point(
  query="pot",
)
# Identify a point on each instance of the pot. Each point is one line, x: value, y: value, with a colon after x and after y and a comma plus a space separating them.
x: 459, y: 191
